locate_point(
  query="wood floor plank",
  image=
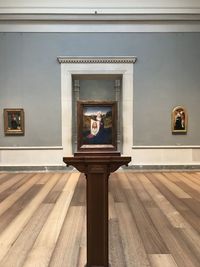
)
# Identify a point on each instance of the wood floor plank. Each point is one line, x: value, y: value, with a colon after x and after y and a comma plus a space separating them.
x: 57, y: 189
x: 194, y: 205
x: 6, y: 193
x: 116, y: 253
x: 9, y: 235
x: 140, y: 190
x: 83, y: 243
x: 40, y: 255
x: 2, y: 175
x: 162, y: 260
x: 79, y: 197
x: 11, y: 199
x: 179, y: 204
x: 192, y: 219
x: 43, y: 219
x: 168, y: 194
x: 6, y: 177
x: 13, y: 188
x: 10, y: 182
x: 189, y: 223
x: 82, y: 257
x: 21, y: 247
x: 195, y: 178
x: 152, y: 240
x: 183, y: 178
x: 171, y: 213
x: 115, y: 188
x: 112, y: 212
x: 188, y: 251
x: 22, y: 181
x: 180, y: 252
x: 192, y: 192
x: 177, y: 191
x: 125, y: 184
x: 18, y: 206
x: 191, y: 240
x: 44, y: 178
x: 133, y: 246
x: 68, y: 245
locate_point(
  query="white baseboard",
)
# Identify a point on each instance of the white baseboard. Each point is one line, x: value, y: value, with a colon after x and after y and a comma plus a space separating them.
x: 31, y: 156
x: 52, y: 156
x: 166, y: 155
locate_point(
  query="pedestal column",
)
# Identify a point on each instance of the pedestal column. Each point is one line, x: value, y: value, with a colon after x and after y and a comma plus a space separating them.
x: 97, y: 168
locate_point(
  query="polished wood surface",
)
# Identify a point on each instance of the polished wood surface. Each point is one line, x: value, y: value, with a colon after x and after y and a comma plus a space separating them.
x: 97, y: 168
x: 154, y: 219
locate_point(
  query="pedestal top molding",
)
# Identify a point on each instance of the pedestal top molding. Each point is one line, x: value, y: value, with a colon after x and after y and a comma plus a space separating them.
x: 97, y: 60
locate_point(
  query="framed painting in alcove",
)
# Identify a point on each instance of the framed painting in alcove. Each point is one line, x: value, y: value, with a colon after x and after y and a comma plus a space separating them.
x: 179, y: 120
x: 14, y: 121
x: 96, y: 125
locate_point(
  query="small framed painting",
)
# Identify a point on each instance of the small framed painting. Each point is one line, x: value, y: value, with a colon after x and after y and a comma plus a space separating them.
x: 179, y: 120
x: 13, y: 121
x: 96, y: 125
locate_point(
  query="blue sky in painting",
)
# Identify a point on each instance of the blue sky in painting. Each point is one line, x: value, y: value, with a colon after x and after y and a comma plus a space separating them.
x: 92, y: 110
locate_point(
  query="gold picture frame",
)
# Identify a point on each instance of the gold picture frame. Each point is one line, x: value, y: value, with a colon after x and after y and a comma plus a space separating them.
x: 13, y: 121
x: 179, y: 120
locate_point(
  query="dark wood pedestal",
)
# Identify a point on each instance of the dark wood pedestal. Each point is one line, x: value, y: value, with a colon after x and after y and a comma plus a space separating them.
x: 97, y: 168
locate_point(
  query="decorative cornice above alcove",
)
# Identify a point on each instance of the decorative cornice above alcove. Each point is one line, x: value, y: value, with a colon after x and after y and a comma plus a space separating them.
x: 98, y: 60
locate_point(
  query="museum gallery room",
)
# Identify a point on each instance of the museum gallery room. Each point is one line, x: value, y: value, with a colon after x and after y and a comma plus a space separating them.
x: 99, y: 133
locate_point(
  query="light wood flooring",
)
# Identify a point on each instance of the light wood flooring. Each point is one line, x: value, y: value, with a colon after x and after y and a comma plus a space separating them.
x: 154, y: 219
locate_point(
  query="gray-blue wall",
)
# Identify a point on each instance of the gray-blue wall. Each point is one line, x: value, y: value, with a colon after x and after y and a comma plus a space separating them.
x: 166, y: 74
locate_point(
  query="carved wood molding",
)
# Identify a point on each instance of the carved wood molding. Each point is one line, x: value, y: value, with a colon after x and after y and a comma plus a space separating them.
x: 112, y: 163
x: 97, y: 60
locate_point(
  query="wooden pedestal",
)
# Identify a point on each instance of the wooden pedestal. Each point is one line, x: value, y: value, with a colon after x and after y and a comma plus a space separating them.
x: 97, y: 168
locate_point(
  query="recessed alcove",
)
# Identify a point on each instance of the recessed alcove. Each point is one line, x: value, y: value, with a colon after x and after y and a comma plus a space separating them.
x: 97, y: 87
x: 91, y: 68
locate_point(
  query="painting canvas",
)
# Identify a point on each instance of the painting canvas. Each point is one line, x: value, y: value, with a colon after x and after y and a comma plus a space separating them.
x: 14, y: 121
x: 96, y: 125
x: 179, y: 120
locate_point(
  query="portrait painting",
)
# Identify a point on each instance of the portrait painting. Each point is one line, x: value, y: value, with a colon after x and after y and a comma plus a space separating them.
x: 96, y: 125
x: 179, y: 120
x: 14, y: 121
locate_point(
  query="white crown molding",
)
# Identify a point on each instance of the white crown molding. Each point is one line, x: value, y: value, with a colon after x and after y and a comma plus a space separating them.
x: 97, y: 60
x: 100, y: 7
x: 99, y: 11
x: 108, y: 18
x: 100, y: 22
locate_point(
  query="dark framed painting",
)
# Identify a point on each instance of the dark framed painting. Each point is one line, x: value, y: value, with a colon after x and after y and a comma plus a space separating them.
x: 179, y: 120
x: 96, y: 125
x: 13, y: 121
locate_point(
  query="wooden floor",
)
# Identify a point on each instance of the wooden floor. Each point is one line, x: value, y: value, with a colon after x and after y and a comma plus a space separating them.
x: 154, y: 219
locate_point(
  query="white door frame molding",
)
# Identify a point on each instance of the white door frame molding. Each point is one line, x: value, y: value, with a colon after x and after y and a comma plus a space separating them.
x: 97, y: 65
